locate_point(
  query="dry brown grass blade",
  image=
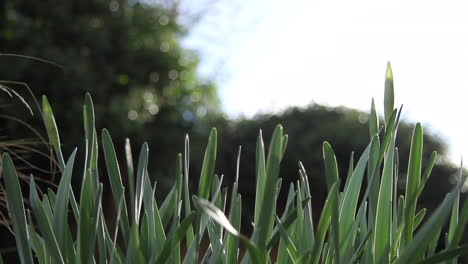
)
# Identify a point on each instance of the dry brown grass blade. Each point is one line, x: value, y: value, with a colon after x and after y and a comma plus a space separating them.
x: 31, y: 58
x: 38, y: 107
x: 12, y: 92
x: 41, y: 153
x: 23, y: 160
x: 36, y: 103
x: 26, y: 125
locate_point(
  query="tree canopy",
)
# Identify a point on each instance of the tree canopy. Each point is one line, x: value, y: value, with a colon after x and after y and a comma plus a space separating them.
x: 127, y: 55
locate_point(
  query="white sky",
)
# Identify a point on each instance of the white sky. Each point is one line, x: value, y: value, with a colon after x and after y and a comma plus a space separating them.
x: 267, y: 55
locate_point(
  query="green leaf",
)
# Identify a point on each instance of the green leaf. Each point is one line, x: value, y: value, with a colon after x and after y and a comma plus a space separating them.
x: 209, y: 161
x: 264, y: 226
x: 232, y: 242
x: 142, y: 169
x: 351, y: 195
x: 291, y: 248
x: 101, y: 239
x: 115, y: 253
x: 216, y: 187
x: 145, y: 235
x: 16, y: 209
x: 134, y: 250
x: 331, y: 175
x: 324, y: 222
x: 131, y: 175
x: 115, y: 180
x: 218, y: 216
x: 389, y: 93
x: 89, y: 127
x: 428, y: 170
x: 373, y: 178
x: 419, y: 217
x: 175, y: 238
x: 384, y: 210
x: 349, y: 174
x: 215, y: 237
x: 309, y: 225
x: 412, y: 182
x: 60, y: 219
x: 148, y: 236
x: 159, y: 228
x: 37, y: 243
x: 95, y: 153
x: 44, y: 223
x: 179, y: 179
x: 168, y: 205
x: 426, y: 235
x: 389, y: 130
x: 190, y: 234
x: 52, y: 131
x: 52, y: 197
x: 87, y: 224
x: 361, y: 247
x: 286, y: 222
x: 282, y: 255
x: 191, y: 256
x: 297, y: 232
x: 285, y: 144
x: 454, y: 217
x: 396, y: 169
x: 47, y: 207
x: 463, y: 219
x: 347, y: 244
x: 426, y: 174
x: 97, y: 213
x: 261, y: 176
x: 331, y: 166
x: 446, y: 255
x: 400, y: 209
x: 396, y: 238
x: 373, y: 121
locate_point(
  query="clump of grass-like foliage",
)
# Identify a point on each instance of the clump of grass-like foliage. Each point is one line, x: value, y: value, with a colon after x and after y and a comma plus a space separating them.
x: 360, y: 224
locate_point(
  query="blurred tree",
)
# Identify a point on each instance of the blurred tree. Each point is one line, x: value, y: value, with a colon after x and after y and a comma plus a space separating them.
x: 125, y: 53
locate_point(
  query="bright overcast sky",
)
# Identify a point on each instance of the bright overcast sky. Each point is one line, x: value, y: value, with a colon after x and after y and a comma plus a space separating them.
x: 270, y: 54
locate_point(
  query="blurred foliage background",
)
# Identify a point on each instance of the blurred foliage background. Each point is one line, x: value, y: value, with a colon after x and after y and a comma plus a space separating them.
x: 145, y: 86
x: 127, y: 55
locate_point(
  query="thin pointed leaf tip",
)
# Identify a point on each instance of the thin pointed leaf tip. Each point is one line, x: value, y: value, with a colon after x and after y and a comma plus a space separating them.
x: 389, y: 97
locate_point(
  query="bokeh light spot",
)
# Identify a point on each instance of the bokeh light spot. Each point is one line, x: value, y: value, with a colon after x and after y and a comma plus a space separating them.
x: 163, y: 20
x: 114, y: 6
x: 132, y: 115
x: 164, y: 47
x: 154, y: 77
x: 173, y: 74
